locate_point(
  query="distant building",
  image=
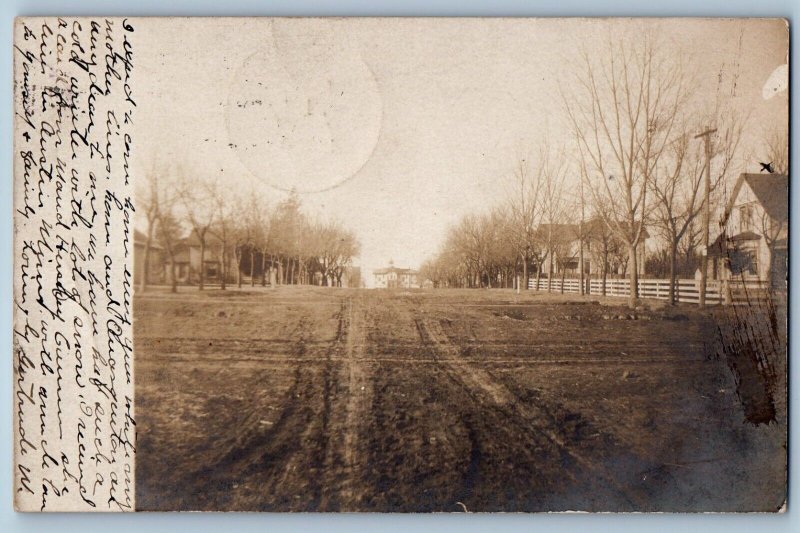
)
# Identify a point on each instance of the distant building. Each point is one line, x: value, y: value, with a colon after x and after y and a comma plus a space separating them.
x: 155, y: 272
x: 567, y: 243
x: 753, y: 244
x: 187, y: 261
x: 396, y: 278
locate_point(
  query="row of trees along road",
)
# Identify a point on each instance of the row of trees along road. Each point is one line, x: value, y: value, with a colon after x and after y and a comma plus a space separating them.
x: 245, y: 231
x: 635, y: 168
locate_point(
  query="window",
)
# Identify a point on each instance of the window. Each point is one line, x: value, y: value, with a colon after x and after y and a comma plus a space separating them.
x: 744, y: 261
x: 746, y: 218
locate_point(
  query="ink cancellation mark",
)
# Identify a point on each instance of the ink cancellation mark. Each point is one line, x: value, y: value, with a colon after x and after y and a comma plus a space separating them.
x: 300, y: 128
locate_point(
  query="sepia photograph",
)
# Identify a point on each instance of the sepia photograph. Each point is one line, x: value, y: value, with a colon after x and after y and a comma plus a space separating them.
x: 427, y: 265
x: 410, y: 265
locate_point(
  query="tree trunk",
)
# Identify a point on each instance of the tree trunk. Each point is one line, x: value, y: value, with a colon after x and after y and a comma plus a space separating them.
x: 300, y: 270
x: 563, y: 277
x: 202, y: 278
x: 264, y: 268
x: 146, y: 269
x: 550, y: 273
x: 252, y: 267
x: 174, y: 287
x: 525, y: 272
x: 633, y: 259
x: 580, y: 266
x: 239, y: 257
x: 605, y: 271
x: 538, y: 275
x: 673, y: 259
x: 224, y: 269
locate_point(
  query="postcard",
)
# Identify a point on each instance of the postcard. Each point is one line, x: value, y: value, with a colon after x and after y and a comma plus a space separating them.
x: 400, y: 264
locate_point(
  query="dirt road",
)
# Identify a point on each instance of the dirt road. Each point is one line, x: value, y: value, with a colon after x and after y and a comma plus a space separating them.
x: 355, y: 400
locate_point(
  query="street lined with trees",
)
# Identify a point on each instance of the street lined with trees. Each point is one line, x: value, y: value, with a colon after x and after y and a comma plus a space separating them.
x: 252, y: 241
x: 649, y: 159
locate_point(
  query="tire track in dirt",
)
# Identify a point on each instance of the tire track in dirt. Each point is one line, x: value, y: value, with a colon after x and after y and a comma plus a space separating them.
x: 189, y: 357
x: 358, y: 404
x: 312, y: 464
x: 491, y: 394
x: 328, y: 450
x: 286, y: 465
x: 251, y: 441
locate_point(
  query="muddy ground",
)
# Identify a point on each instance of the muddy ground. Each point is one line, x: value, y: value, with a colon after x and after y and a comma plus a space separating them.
x: 314, y: 399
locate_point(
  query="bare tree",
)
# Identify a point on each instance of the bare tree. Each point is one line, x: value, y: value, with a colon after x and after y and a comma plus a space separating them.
x: 257, y: 220
x: 477, y: 252
x: 582, y: 235
x: 678, y: 200
x: 778, y: 150
x: 524, y: 206
x: 267, y: 245
x: 243, y: 236
x: 224, y: 225
x: 553, y: 173
x: 289, y: 225
x: 150, y: 201
x: 198, y: 204
x: 623, y: 115
x: 169, y: 231
x: 677, y: 185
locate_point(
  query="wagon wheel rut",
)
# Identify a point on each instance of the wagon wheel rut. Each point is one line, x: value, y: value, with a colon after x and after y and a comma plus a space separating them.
x: 293, y: 462
x: 490, y: 393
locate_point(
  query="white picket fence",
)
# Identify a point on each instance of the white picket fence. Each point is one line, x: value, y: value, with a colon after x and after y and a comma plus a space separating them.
x: 686, y: 290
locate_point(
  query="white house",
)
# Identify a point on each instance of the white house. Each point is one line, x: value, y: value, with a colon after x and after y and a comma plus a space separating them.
x: 396, y: 278
x: 755, y: 230
x: 566, y: 248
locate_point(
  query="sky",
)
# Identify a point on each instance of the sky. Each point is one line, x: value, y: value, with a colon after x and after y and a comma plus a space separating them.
x: 399, y: 127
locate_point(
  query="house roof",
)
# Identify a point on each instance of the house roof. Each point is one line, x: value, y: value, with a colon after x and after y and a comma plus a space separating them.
x: 720, y: 246
x: 772, y: 191
x: 394, y: 269
x: 567, y: 232
x: 140, y: 239
x: 591, y: 228
x: 745, y: 236
x: 194, y: 241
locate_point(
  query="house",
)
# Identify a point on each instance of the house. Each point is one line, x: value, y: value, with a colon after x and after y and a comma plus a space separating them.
x: 564, y: 242
x: 187, y: 261
x: 155, y: 272
x: 599, y: 243
x: 753, y: 243
x: 394, y: 278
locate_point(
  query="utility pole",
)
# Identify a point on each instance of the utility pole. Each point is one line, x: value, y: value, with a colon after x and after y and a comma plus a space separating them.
x: 706, y: 135
x: 580, y: 239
